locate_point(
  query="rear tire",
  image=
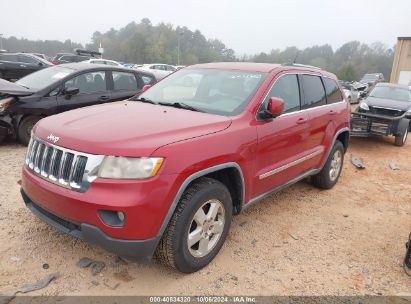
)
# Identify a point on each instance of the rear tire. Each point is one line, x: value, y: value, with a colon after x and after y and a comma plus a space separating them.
x: 203, y: 215
x: 331, y: 171
x: 400, y: 140
x: 25, y: 127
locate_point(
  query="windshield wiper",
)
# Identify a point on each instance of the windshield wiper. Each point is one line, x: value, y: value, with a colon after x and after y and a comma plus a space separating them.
x: 142, y: 99
x: 181, y: 105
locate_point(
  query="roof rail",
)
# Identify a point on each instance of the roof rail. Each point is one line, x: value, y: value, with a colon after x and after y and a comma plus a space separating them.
x: 301, y: 65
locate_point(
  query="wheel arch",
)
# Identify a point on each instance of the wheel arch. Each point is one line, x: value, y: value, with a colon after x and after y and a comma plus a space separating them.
x: 342, y: 135
x: 344, y: 138
x: 223, y: 173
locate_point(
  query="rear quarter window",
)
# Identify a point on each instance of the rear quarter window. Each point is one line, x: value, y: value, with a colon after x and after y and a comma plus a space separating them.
x: 147, y: 79
x: 124, y: 81
x: 332, y: 90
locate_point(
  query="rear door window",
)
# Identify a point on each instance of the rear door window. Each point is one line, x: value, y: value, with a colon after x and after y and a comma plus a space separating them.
x: 314, y: 94
x: 124, y: 81
x: 88, y: 82
x: 286, y: 87
x: 332, y: 90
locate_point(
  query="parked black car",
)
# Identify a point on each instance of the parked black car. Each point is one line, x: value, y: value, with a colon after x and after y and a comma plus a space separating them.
x: 62, y: 88
x: 385, y: 111
x: 17, y: 65
x: 80, y: 55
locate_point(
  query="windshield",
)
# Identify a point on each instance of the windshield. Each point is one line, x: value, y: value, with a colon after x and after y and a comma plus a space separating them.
x: 394, y: 93
x: 44, y: 78
x: 222, y: 92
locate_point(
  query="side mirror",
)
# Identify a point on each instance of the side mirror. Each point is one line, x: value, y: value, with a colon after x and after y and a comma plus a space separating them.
x: 70, y: 92
x: 146, y: 87
x: 275, y: 108
x: 40, y: 63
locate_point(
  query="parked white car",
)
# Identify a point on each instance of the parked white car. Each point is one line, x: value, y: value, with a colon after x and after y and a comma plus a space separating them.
x: 159, y: 70
x: 104, y: 61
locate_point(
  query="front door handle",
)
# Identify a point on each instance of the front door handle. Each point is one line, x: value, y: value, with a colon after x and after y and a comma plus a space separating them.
x: 104, y: 97
x: 301, y: 121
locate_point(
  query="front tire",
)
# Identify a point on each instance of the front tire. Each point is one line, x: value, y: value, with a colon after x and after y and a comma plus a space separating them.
x: 25, y: 127
x: 331, y: 171
x: 401, y: 139
x: 198, y: 228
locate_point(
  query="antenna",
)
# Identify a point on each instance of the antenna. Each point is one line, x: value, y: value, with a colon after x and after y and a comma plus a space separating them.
x: 296, y: 55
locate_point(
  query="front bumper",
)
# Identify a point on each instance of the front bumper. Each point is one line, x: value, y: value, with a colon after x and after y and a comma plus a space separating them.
x: 145, y: 203
x: 139, y: 250
x: 365, y: 124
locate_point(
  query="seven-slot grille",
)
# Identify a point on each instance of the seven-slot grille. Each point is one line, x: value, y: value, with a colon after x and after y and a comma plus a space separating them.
x: 60, y: 166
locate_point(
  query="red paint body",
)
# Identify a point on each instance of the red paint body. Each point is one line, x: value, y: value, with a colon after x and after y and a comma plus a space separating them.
x: 189, y: 141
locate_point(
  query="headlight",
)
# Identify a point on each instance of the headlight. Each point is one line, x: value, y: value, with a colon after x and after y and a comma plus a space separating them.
x: 119, y: 167
x: 5, y: 103
x: 364, y: 106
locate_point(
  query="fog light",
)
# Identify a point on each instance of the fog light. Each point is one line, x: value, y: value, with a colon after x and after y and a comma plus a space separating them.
x: 121, y: 216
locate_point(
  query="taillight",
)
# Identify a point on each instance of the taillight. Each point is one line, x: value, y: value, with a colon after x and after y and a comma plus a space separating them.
x: 55, y: 62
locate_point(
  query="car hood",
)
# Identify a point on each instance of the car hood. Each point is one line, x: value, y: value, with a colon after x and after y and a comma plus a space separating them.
x: 388, y: 103
x: 127, y: 128
x: 10, y: 88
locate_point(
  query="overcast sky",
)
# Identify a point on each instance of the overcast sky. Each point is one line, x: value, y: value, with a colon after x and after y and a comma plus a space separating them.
x: 247, y: 26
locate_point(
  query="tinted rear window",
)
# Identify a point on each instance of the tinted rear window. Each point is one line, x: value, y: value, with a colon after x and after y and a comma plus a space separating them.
x: 314, y: 94
x: 332, y: 90
x: 125, y: 81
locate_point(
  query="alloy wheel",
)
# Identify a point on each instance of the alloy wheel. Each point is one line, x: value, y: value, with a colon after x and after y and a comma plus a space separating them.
x: 335, y: 167
x: 206, y: 228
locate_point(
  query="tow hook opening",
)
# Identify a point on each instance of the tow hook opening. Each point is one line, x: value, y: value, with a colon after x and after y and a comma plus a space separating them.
x: 112, y: 217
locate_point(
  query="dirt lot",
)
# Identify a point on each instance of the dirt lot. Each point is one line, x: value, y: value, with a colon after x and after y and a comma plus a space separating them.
x: 301, y: 241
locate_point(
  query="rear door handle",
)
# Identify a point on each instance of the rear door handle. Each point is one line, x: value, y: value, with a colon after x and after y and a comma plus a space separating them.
x: 332, y: 112
x: 301, y: 121
x: 104, y: 97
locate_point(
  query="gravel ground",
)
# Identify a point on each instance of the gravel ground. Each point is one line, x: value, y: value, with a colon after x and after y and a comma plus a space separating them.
x: 300, y: 241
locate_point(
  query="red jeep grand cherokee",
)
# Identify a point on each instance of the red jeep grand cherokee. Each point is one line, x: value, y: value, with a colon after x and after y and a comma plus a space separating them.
x: 163, y: 173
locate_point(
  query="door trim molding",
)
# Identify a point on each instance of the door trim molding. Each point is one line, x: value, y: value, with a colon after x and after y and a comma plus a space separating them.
x: 291, y: 164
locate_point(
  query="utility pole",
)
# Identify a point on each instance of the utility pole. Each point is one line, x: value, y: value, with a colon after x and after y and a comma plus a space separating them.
x: 179, y: 34
x: 178, y: 48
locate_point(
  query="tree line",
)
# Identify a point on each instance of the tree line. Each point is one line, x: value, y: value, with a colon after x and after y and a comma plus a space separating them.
x: 144, y: 42
x: 349, y: 62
